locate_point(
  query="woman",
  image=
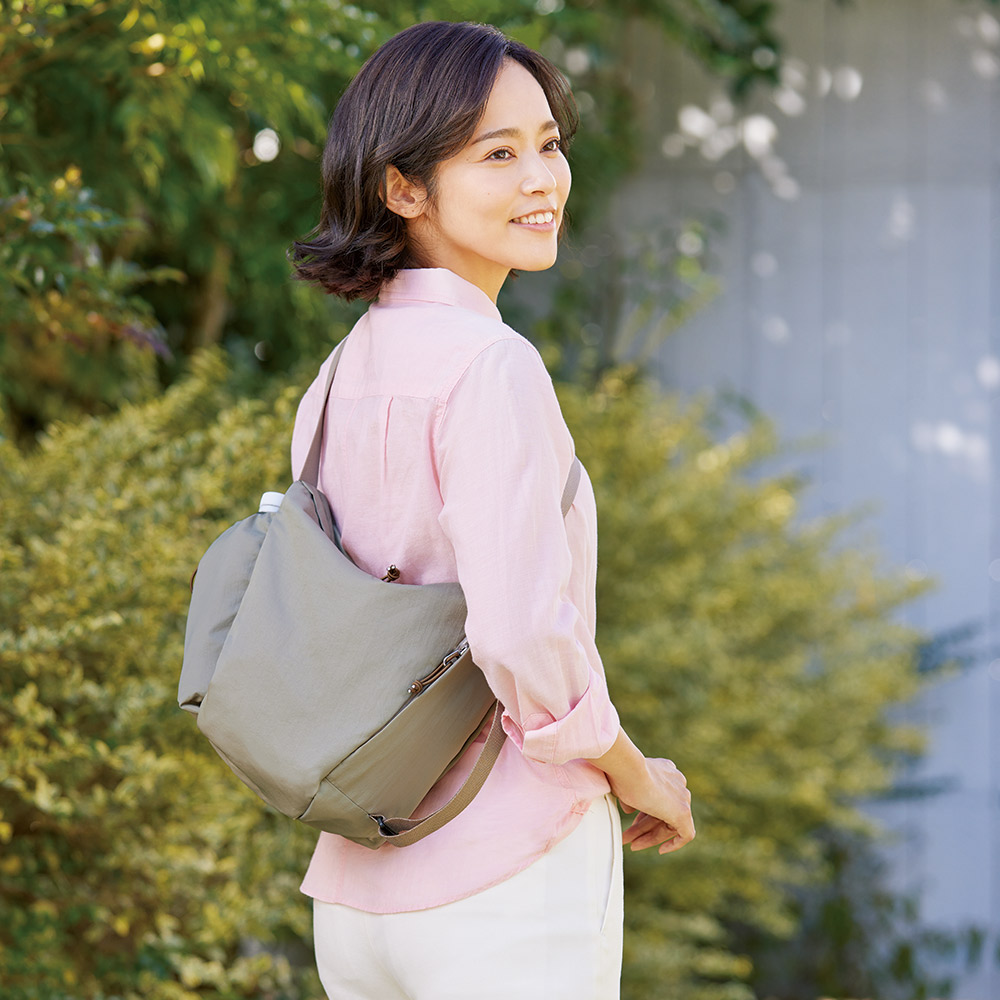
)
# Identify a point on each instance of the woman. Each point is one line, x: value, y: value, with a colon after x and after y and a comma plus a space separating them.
x: 444, y: 170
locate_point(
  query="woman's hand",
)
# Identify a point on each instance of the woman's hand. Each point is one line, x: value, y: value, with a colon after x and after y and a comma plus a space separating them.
x: 654, y: 788
x: 663, y: 806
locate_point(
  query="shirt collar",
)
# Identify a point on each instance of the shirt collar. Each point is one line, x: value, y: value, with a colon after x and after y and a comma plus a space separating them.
x: 436, y: 284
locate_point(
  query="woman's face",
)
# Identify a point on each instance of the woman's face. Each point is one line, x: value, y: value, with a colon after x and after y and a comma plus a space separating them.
x: 498, y: 204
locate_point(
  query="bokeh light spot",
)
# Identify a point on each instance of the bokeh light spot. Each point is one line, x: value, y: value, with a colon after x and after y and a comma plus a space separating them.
x: 266, y: 145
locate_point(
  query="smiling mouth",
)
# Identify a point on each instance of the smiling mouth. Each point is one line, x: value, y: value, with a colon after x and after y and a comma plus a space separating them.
x: 536, y: 219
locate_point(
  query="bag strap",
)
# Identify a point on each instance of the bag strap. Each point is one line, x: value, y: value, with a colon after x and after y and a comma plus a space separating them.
x: 400, y: 831
x: 572, y: 485
x: 310, y: 470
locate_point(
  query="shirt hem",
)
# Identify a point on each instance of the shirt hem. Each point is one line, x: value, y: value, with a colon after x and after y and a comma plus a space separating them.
x: 576, y: 814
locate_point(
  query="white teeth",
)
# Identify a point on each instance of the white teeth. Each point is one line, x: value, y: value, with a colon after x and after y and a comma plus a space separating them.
x: 536, y: 218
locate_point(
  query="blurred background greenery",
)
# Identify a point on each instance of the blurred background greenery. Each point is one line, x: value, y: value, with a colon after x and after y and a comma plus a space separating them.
x: 156, y: 159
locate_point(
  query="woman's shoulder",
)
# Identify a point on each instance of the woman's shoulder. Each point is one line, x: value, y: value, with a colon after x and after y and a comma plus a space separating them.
x: 493, y: 353
x: 448, y: 342
x: 472, y: 336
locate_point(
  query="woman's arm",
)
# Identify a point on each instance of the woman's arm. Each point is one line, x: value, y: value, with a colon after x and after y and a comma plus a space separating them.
x: 502, y: 455
x: 656, y: 789
x: 503, y: 452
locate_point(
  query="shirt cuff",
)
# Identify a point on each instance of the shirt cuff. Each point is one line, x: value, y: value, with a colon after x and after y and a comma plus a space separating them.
x: 588, y: 730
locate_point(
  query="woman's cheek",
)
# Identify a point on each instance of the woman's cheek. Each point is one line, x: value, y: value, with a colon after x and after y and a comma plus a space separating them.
x: 566, y: 178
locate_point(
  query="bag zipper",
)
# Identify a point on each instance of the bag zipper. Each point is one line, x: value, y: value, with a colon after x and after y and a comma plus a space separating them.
x: 450, y: 660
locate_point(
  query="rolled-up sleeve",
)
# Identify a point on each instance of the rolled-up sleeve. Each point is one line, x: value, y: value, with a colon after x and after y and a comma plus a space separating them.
x: 503, y: 454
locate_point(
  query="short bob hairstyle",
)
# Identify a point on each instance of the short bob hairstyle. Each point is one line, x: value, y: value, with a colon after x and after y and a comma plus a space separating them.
x: 415, y: 102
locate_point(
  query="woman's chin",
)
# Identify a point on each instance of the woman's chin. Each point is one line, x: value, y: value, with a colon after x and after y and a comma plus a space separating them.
x: 536, y: 263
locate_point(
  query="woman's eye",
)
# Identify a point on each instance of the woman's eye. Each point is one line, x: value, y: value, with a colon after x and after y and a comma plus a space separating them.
x: 552, y: 146
x: 500, y: 154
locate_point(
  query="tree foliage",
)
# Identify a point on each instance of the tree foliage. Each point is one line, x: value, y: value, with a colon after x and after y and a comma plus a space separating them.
x: 154, y: 106
x: 150, y: 110
x: 754, y: 653
x: 74, y: 336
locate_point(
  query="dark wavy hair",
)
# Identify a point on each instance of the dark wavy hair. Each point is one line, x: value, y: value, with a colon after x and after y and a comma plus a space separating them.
x: 415, y: 102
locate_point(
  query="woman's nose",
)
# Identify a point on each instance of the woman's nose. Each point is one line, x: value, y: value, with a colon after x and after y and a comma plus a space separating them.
x: 538, y: 178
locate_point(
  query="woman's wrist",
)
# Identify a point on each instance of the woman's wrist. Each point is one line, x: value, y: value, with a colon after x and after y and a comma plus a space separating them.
x: 655, y: 789
x: 625, y: 766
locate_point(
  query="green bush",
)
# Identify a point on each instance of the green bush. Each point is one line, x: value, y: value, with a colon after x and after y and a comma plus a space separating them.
x: 759, y: 654
x: 134, y: 865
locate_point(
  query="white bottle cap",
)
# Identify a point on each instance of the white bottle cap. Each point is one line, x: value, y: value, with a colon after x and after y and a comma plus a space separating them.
x: 270, y: 502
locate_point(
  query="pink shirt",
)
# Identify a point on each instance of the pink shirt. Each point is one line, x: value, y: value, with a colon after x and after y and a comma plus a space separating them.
x: 445, y: 453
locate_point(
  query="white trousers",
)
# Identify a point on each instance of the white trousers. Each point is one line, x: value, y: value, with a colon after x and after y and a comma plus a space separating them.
x: 553, y: 930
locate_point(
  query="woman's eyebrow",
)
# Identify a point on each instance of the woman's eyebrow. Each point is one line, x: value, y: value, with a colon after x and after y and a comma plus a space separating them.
x: 513, y: 133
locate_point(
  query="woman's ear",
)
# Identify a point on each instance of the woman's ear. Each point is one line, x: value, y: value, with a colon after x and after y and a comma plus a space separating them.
x: 404, y: 197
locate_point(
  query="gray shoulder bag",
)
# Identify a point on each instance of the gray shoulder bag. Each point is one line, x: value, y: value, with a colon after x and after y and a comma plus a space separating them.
x: 339, y: 698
